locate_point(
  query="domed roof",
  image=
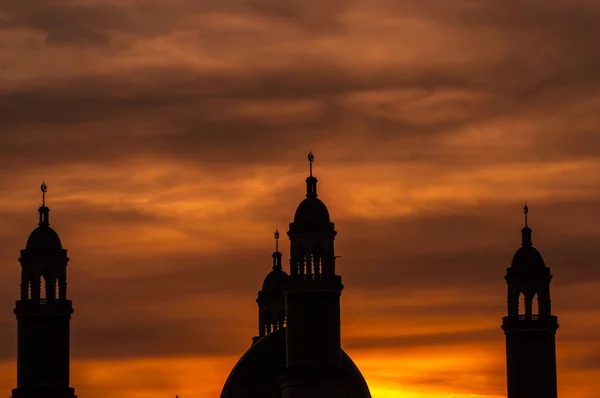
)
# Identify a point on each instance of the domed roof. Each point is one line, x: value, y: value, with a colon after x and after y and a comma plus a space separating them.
x: 312, y: 211
x: 275, y: 280
x: 44, y: 238
x: 527, y: 257
x: 256, y: 373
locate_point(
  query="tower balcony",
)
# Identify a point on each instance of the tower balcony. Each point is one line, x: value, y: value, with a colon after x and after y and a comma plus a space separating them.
x: 43, y: 306
x: 530, y: 322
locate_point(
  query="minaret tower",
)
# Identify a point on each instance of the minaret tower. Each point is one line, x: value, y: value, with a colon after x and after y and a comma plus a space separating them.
x: 43, y: 315
x: 312, y: 302
x: 271, y: 301
x: 530, y: 329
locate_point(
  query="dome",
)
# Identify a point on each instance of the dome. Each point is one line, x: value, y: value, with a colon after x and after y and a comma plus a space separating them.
x: 274, y: 280
x: 256, y: 373
x: 527, y: 257
x: 44, y: 238
x: 312, y: 211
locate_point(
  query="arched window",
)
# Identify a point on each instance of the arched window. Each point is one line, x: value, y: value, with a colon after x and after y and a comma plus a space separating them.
x: 535, y: 304
x: 281, y: 319
x: 267, y: 322
x: 521, y: 304
x: 30, y: 285
x: 317, y: 260
x: 300, y: 260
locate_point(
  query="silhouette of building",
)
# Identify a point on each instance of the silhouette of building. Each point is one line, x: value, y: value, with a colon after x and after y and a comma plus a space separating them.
x: 297, y: 353
x: 43, y: 315
x: 530, y: 337
x: 271, y: 300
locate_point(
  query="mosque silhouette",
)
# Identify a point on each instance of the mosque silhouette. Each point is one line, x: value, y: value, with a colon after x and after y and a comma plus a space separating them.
x: 297, y: 352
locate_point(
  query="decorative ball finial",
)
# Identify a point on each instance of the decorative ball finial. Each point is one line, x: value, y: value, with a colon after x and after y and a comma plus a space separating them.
x: 525, y: 211
x: 276, y: 236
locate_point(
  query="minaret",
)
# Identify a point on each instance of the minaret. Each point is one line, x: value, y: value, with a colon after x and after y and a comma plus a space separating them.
x: 43, y: 315
x: 530, y: 330
x: 312, y: 302
x: 271, y: 301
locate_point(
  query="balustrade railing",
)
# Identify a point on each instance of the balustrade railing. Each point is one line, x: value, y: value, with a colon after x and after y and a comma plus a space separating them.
x: 44, y: 301
x: 311, y: 277
x: 530, y: 317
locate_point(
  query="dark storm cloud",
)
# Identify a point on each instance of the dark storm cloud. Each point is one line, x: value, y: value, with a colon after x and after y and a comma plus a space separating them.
x: 193, y: 112
x: 92, y: 24
x: 62, y: 22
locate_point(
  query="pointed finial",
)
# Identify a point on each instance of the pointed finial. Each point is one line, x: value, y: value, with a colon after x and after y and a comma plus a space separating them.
x: 526, y: 231
x: 276, y: 254
x: 44, y: 189
x: 311, y: 159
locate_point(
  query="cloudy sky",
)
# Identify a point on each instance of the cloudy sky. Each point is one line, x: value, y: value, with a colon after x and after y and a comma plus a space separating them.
x: 173, y: 137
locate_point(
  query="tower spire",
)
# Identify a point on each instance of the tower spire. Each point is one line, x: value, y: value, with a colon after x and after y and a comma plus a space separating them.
x: 311, y: 181
x: 526, y: 231
x: 43, y: 210
x: 277, y: 255
x: 44, y: 189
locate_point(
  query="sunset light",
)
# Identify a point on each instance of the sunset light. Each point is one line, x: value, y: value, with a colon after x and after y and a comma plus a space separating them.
x: 173, y: 138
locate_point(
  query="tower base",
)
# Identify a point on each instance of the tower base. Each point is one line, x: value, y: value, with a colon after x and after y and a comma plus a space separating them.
x: 44, y: 392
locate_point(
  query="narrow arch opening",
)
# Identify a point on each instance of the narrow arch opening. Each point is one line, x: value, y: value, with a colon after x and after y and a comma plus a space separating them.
x: 521, y: 304
x: 300, y: 260
x: 30, y: 285
x: 317, y: 260
x: 46, y: 288
x: 267, y: 324
x: 535, y: 304
x: 60, y: 291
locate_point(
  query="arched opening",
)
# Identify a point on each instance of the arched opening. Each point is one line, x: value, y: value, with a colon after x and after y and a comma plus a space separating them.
x: 300, y: 260
x: 267, y: 324
x: 281, y: 319
x: 61, y: 287
x: 30, y: 285
x: 48, y: 290
x: 521, y: 304
x: 535, y: 304
x: 317, y: 260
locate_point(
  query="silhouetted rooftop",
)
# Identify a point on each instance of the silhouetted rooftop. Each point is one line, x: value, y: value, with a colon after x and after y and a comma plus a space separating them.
x: 527, y: 257
x: 312, y: 211
x: 274, y: 281
x: 257, y: 372
x: 45, y: 238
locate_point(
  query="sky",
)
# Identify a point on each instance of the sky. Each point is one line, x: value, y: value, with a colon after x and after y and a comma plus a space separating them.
x: 173, y: 137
